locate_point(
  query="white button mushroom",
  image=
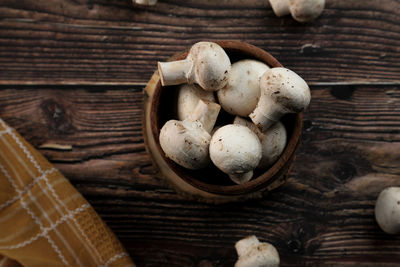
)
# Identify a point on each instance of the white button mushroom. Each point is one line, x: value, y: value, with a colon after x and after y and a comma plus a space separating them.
x: 280, y: 7
x: 188, y: 97
x: 282, y: 91
x: 387, y: 210
x: 145, y: 2
x: 187, y: 142
x: 236, y: 151
x: 253, y: 253
x: 207, y: 64
x: 306, y: 10
x: 273, y: 141
x: 301, y: 10
x: 243, y: 85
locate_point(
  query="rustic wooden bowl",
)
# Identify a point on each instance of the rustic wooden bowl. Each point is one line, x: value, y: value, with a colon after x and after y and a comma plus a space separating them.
x: 210, y: 184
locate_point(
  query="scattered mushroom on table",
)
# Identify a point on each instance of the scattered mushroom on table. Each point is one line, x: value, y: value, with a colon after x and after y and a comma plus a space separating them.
x: 387, y: 210
x: 253, y: 253
x: 301, y: 10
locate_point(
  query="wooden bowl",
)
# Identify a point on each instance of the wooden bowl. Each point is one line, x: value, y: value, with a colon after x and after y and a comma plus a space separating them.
x: 210, y: 184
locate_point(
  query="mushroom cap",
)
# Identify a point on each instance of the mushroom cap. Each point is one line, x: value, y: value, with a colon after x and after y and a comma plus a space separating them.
x: 243, y: 246
x: 252, y: 253
x: 188, y: 97
x: 387, y: 210
x: 306, y: 10
x: 243, y: 83
x: 280, y: 7
x: 186, y: 143
x: 211, y: 65
x: 282, y: 91
x: 273, y: 142
x: 286, y: 89
x: 235, y: 149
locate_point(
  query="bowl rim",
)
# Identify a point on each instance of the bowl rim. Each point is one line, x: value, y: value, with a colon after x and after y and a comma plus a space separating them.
x: 279, y: 168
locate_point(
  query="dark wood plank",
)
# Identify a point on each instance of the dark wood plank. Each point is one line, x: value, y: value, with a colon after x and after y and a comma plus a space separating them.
x: 109, y: 42
x: 322, y: 216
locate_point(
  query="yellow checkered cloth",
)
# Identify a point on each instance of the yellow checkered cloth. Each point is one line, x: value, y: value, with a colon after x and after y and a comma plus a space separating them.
x: 44, y: 221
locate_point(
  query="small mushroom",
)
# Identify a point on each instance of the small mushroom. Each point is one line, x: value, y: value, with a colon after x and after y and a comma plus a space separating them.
x: 236, y: 151
x: 301, y: 10
x: 207, y: 64
x: 253, y: 253
x: 187, y: 142
x: 273, y: 141
x: 188, y: 96
x: 282, y: 91
x: 243, y: 85
x: 145, y: 2
x: 387, y: 210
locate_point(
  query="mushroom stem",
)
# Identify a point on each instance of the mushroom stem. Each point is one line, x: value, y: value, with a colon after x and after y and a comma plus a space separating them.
x: 280, y: 7
x: 241, y: 178
x: 206, y: 113
x: 266, y: 113
x: 188, y: 97
x: 145, y: 2
x: 175, y: 72
x: 387, y: 210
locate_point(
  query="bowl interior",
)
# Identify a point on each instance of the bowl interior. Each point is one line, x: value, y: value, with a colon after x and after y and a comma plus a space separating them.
x: 211, y: 179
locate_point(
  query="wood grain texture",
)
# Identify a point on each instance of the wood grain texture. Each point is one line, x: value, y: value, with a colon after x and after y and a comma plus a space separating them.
x: 323, y: 215
x: 113, y: 42
x: 106, y: 50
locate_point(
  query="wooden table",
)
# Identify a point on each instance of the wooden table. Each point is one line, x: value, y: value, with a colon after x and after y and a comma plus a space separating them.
x: 72, y: 73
